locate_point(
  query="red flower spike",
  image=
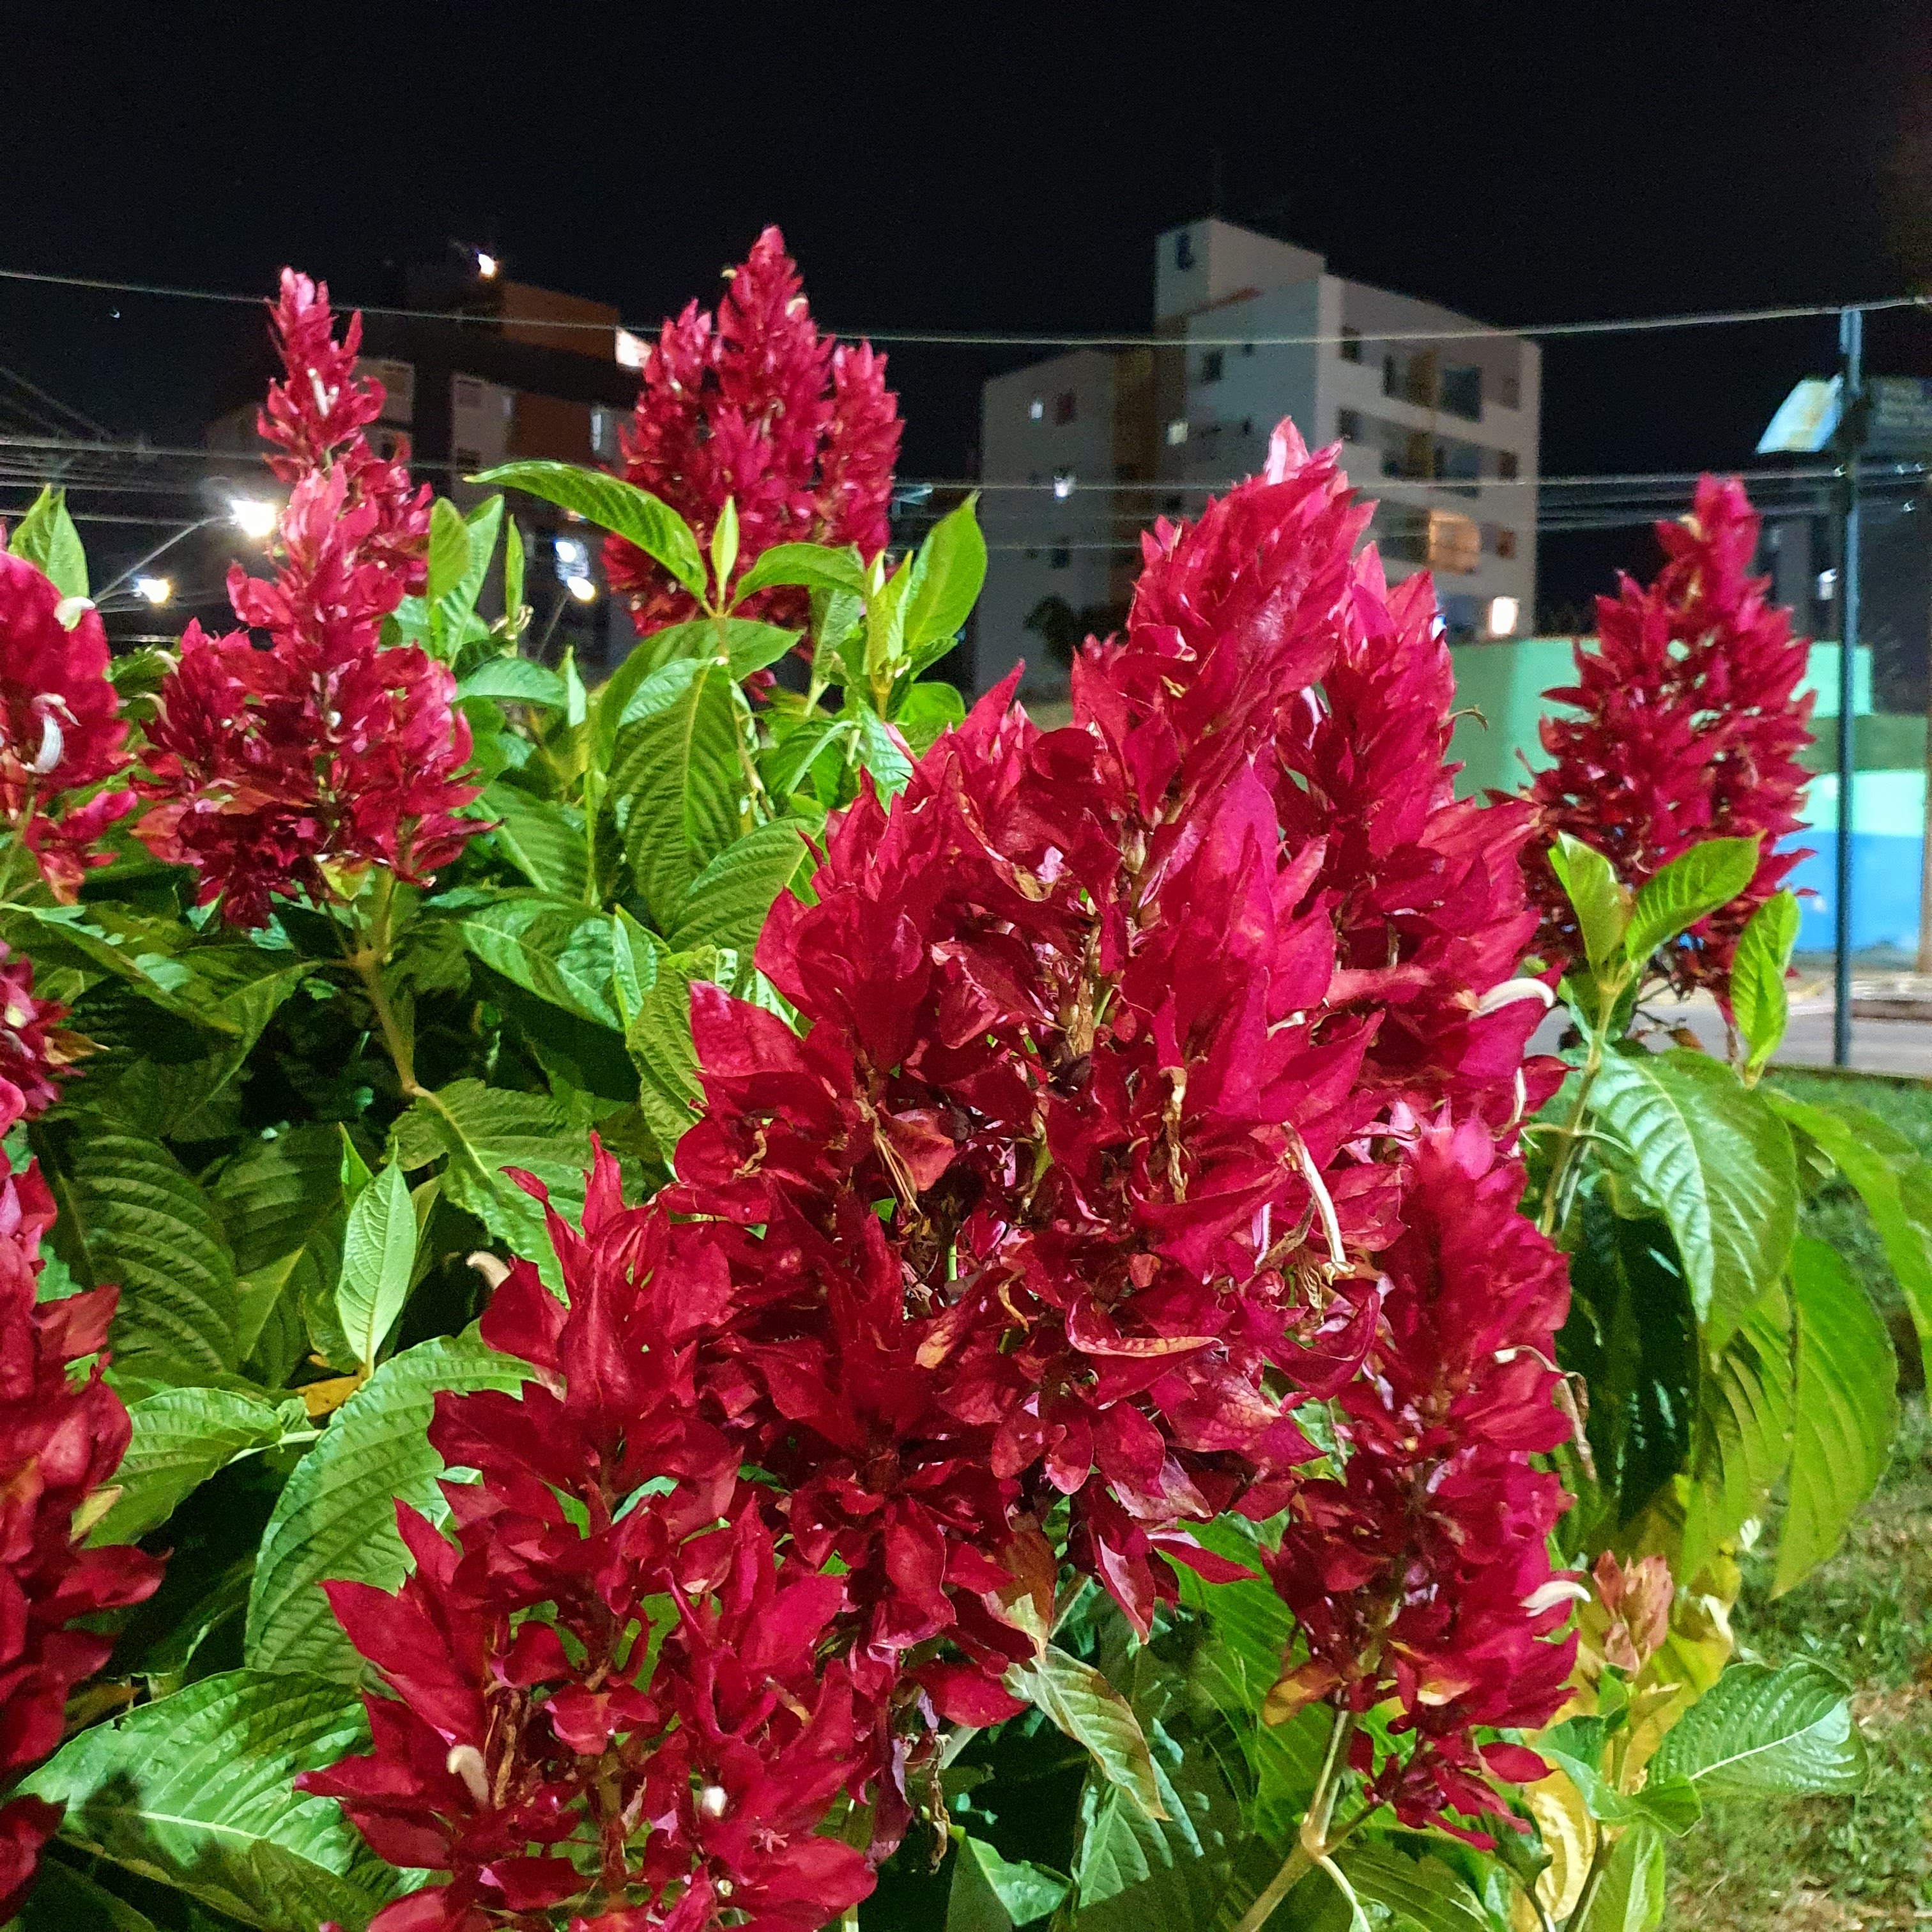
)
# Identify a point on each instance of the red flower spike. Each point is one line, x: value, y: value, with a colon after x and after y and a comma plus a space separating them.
x: 753, y: 404
x: 1690, y: 729
x: 271, y: 769
x: 60, y: 1439
x: 1120, y: 1122
x: 61, y: 729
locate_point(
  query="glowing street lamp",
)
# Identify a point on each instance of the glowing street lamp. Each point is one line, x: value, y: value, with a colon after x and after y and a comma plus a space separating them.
x: 252, y: 516
x: 156, y: 590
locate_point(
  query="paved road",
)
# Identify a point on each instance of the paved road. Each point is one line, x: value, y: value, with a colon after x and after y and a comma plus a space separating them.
x: 1878, y: 1046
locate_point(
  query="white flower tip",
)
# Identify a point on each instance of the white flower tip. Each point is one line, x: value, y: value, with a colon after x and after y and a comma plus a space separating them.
x: 1510, y: 991
x: 1558, y: 1590
x: 711, y: 1800
x: 465, y: 1761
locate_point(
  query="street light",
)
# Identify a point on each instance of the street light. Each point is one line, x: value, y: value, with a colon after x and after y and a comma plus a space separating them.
x: 487, y: 265
x: 582, y: 589
x: 155, y: 590
x: 251, y: 515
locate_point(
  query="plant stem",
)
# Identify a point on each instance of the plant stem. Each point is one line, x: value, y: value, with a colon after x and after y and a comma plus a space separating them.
x: 367, y: 961
x: 1313, y: 1843
x: 1570, y: 1137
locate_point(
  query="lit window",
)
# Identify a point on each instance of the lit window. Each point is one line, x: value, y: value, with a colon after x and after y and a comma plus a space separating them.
x: 1063, y: 407
x: 1503, y: 611
x: 1176, y: 432
x: 1037, y: 409
x: 1213, y: 364
x: 1063, y: 483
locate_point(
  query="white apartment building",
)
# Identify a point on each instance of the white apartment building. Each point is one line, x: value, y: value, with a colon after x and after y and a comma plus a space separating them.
x: 1439, y: 424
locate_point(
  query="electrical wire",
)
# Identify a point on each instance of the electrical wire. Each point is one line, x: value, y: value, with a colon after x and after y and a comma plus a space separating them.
x: 1012, y: 339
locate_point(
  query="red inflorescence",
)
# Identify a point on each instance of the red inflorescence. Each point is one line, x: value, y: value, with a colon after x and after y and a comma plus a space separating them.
x: 272, y: 770
x: 60, y: 1440
x: 753, y: 404
x: 1690, y: 729
x: 1157, y: 1074
x: 60, y: 728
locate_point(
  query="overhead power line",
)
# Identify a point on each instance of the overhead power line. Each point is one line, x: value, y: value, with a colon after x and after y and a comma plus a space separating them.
x: 1016, y: 339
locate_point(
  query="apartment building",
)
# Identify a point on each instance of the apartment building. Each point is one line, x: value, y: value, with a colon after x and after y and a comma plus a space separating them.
x: 1439, y: 419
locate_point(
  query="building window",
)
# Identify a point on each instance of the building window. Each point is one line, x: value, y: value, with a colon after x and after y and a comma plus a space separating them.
x: 1176, y: 432
x: 1505, y: 543
x: 1351, y: 344
x: 1247, y: 349
x: 1064, y: 407
x: 1183, y: 251
x: 1460, y: 391
x: 1171, y: 506
x: 1213, y: 363
x: 1247, y: 425
x: 1349, y: 425
x: 1059, y: 557
x: 1506, y: 464
x: 1037, y: 409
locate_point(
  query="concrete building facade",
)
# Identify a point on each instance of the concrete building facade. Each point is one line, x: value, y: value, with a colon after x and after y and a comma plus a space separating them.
x: 1440, y: 423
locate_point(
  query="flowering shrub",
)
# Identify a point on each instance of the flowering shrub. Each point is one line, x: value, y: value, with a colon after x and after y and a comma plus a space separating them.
x: 296, y: 768
x: 751, y: 1278
x: 751, y: 405
x: 1690, y: 730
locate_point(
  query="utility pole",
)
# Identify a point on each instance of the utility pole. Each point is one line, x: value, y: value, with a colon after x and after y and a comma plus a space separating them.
x: 1851, y: 372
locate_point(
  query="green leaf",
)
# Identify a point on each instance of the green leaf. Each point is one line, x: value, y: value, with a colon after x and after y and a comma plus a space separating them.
x: 46, y: 538
x: 1742, y: 1439
x: 1631, y: 1898
x: 658, y: 1040
x: 724, y: 546
x: 1249, y: 1631
x: 946, y: 575
x: 378, y: 1254
x: 1602, y: 906
x: 195, y: 1792
x: 815, y: 566
x: 1846, y: 1410
x: 456, y: 606
x: 882, y: 753
x: 728, y: 900
x: 1758, y: 998
x: 613, y: 505
x: 1893, y: 1182
x: 1694, y: 884
x: 991, y: 1894
x: 281, y: 1202
x: 751, y: 646
x: 482, y: 1130
x: 1764, y: 1732
x: 448, y: 549
x: 542, y: 839
x: 676, y: 787
x: 784, y: 766
x: 130, y: 1214
x: 514, y: 681
x: 1575, y: 1747
x: 181, y: 1437
x: 1422, y: 1892
x: 928, y: 711
x: 550, y: 947
x: 513, y: 576
x: 1632, y: 1334
x: 1090, y: 1711
x: 1713, y: 1159
x: 633, y: 963
x: 1132, y: 1871
x: 336, y: 1517
x: 63, y: 1900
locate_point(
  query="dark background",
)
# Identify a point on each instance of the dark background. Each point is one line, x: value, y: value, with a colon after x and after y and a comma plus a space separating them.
x: 988, y: 167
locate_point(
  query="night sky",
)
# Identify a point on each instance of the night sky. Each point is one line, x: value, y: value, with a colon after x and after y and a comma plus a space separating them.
x: 988, y: 167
